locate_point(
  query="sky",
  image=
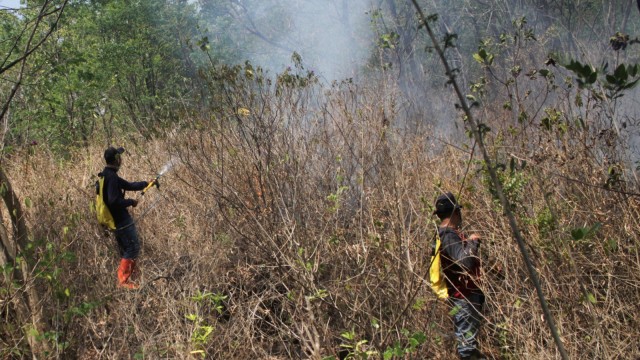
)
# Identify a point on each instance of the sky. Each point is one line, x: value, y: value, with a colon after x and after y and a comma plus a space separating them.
x: 9, y: 4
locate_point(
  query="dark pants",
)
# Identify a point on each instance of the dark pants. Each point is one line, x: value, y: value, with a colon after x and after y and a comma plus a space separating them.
x: 128, y: 242
x: 466, y: 322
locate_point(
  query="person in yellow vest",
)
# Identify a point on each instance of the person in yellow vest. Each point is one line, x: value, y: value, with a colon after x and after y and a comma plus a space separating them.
x: 113, y: 194
x: 461, y: 268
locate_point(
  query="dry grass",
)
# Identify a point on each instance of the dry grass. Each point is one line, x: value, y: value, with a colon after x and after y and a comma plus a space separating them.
x: 313, y: 223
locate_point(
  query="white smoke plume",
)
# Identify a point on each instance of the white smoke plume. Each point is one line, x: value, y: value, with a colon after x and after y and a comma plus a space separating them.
x: 333, y: 37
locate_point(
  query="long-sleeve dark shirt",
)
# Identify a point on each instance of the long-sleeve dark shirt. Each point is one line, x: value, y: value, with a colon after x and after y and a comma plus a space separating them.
x: 113, y: 195
x: 460, y: 262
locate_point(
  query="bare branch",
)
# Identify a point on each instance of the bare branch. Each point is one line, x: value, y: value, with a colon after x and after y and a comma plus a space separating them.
x: 29, y: 50
x: 43, y: 14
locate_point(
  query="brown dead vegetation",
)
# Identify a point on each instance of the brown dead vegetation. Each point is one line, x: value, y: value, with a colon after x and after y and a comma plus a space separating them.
x: 303, y: 228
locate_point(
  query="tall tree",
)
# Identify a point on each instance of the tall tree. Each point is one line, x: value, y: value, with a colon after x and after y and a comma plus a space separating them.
x: 25, y: 37
x: 113, y: 65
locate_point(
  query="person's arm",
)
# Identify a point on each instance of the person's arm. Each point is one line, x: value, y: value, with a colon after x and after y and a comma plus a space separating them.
x: 114, y: 195
x: 463, y: 253
x: 132, y: 186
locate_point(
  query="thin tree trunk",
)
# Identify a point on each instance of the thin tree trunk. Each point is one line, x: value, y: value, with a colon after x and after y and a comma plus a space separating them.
x: 30, y: 307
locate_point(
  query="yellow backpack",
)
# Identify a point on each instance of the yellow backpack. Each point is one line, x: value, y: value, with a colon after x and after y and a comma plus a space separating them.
x: 102, y: 211
x: 436, y: 276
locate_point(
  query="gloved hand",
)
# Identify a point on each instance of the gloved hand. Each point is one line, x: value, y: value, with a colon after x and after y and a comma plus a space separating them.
x: 155, y: 183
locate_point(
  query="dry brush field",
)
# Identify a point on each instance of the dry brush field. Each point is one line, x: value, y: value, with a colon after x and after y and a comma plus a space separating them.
x: 296, y: 224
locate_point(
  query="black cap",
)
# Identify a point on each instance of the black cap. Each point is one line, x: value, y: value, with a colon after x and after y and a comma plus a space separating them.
x: 446, y: 204
x: 111, y: 153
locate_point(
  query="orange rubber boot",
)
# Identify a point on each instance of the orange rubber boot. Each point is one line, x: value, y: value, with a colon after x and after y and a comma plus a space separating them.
x: 124, y: 273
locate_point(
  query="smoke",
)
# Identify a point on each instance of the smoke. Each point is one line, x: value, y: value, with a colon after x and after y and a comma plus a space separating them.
x: 333, y: 37
x: 336, y: 36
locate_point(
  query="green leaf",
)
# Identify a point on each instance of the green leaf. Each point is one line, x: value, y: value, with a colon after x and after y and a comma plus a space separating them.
x: 574, y: 66
x: 388, y: 354
x: 611, y: 245
x: 630, y: 85
x: 33, y: 332
x: 27, y: 202
x: 579, y: 233
x: 454, y: 310
x: 419, y: 337
x: 522, y: 117
x: 192, y: 317
x: 591, y: 298
x: 419, y: 304
x: 349, y: 335
x: 360, y: 343
x: 490, y: 59
x: 621, y: 73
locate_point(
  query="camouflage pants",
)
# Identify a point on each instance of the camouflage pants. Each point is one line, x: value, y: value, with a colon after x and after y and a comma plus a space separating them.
x: 466, y: 322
